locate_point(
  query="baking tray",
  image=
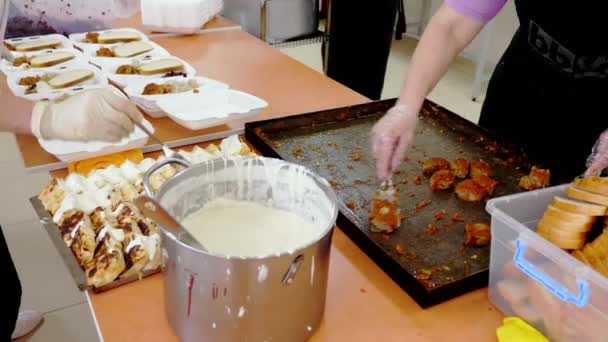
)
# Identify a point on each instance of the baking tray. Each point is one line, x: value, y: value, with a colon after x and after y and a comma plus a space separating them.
x: 335, y: 144
x: 70, y: 260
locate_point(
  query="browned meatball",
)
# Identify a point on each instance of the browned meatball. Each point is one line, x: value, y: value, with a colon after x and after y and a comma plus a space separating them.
x: 432, y: 165
x: 480, y: 168
x: 468, y: 191
x: 442, y: 180
x: 485, y: 182
x: 460, y: 167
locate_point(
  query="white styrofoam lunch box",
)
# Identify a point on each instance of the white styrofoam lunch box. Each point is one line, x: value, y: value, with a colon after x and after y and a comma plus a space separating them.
x: 109, y: 66
x: 533, y: 279
x: 90, y: 52
x: 211, y: 108
x: 65, y: 42
x: 99, y: 80
x: 78, y: 39
x: 149, y: 102
x: 78, y: 60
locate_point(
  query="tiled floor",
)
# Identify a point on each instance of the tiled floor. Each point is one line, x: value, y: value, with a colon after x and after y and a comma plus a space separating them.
x: 47, y: 284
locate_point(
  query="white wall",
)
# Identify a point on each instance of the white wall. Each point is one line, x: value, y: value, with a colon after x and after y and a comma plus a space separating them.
x: 504, y: 26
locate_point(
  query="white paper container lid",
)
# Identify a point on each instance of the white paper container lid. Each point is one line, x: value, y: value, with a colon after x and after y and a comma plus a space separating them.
x: 99, y: 80
x: 65, y: 42
x: 78, y: 60
x: 149, y: 102
x: 211, y: 108
x: 78, y: 38
x: 109, y: 66
x: 68, y: 151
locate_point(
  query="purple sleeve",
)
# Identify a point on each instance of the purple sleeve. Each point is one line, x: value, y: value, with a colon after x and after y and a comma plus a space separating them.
x: 483, y: 10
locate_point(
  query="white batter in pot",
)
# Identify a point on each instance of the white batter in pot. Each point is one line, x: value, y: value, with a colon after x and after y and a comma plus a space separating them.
x: 248, y: 229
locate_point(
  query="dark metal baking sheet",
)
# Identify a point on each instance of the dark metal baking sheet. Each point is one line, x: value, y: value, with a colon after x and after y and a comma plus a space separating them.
x: 335, y: 144
x: 68, y: 257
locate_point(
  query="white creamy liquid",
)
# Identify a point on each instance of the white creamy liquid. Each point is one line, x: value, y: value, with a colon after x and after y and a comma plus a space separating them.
x: 248, y: 229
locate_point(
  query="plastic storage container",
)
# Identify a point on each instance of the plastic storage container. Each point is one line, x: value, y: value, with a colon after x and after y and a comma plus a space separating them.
x: 535, y: 280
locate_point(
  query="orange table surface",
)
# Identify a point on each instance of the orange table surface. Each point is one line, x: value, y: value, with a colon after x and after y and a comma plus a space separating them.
x: 233, y: 57
x: 363, y: 304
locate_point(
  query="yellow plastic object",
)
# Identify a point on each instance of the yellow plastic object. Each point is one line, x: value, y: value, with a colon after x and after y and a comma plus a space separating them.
x: 515, y: 329
x: 84, y: 167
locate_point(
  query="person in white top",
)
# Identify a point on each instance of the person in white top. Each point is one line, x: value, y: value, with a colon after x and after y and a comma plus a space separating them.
x: 98, y: 114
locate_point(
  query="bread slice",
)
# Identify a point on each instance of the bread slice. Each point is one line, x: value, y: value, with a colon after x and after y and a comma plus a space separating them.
x: 579, y: 207
x: 132, y: 49
x: 578, y: 254
x: 548, y: 228
x: 593, y: 184
x: 38, y: 45
x: 567, y: 216
x: 161, y: 66
x: 70, y: 78
x: 583, y: 195
x: 47, y: 60
x: 118, y: 37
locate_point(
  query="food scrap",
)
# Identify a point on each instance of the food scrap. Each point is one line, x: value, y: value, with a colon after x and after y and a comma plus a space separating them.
x: 355, y: 156
x: 104, y: 52
x: 400, y: 249
x: 431, y: 229
x: 422, y: 204
x: 442, y: 180
x: 537, y: 179
x: 477, y: 235
x: 297, y: 152
x: 350, y: 205
x: 432, y: 165
x: 418, y: 180
x: 457, y: 217
x: 438, y: 215
x: 91, y: 37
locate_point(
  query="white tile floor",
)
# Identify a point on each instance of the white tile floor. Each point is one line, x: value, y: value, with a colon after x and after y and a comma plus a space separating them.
x: 47, y: 285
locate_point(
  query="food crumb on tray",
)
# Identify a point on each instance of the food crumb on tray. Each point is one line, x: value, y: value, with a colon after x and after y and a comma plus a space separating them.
x: 477, y: 235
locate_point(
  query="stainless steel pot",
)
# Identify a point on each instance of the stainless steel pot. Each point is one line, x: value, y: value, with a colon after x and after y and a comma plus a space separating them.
x: 271, y: 298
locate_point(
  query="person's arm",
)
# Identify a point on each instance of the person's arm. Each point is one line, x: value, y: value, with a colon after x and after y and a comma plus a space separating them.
x: 446, y: 35
x: 16, y: 122
x: 449, y: 31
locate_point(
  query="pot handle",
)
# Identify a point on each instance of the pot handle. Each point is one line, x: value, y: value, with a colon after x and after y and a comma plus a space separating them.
x: 293, y: 269
x: 158, y: 166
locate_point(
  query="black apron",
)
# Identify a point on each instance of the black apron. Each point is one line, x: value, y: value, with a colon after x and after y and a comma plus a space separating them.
x: 549, y: 92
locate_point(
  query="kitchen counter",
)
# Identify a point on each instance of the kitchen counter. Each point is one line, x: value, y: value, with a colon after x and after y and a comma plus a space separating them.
x: 363, y: 303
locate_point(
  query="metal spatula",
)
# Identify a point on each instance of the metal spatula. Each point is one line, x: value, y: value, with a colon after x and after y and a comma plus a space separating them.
x: 151, y: 209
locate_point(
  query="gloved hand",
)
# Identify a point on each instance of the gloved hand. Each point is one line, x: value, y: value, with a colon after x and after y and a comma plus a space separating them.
x: 598, y: 160
x: 96, y: 114
x: 391, y: 137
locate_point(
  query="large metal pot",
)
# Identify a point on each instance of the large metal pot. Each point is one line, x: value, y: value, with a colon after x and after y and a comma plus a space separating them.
x: 272, y: 298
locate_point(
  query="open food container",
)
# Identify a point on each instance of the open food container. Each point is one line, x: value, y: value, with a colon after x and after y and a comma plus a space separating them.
x: 77, y: 60
x: 211, y: 108
x: 68, y: 151
x: 278, y: 297
x: 533, y: 279
x: 80, y: 39
x: 91, y: 52
x: 45, y: 42
x: 110, y: 65
x: 178, y: 85
x: 45, y: 91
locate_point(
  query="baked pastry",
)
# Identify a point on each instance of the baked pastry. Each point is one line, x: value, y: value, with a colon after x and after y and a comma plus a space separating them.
x: 78, y: 235
x: 460, y: 167
x: 432, y: 165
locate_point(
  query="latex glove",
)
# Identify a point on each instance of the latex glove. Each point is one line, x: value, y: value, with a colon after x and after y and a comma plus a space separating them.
x: 96, y: 114
x: 598, y: 160
x: 391, y: 136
